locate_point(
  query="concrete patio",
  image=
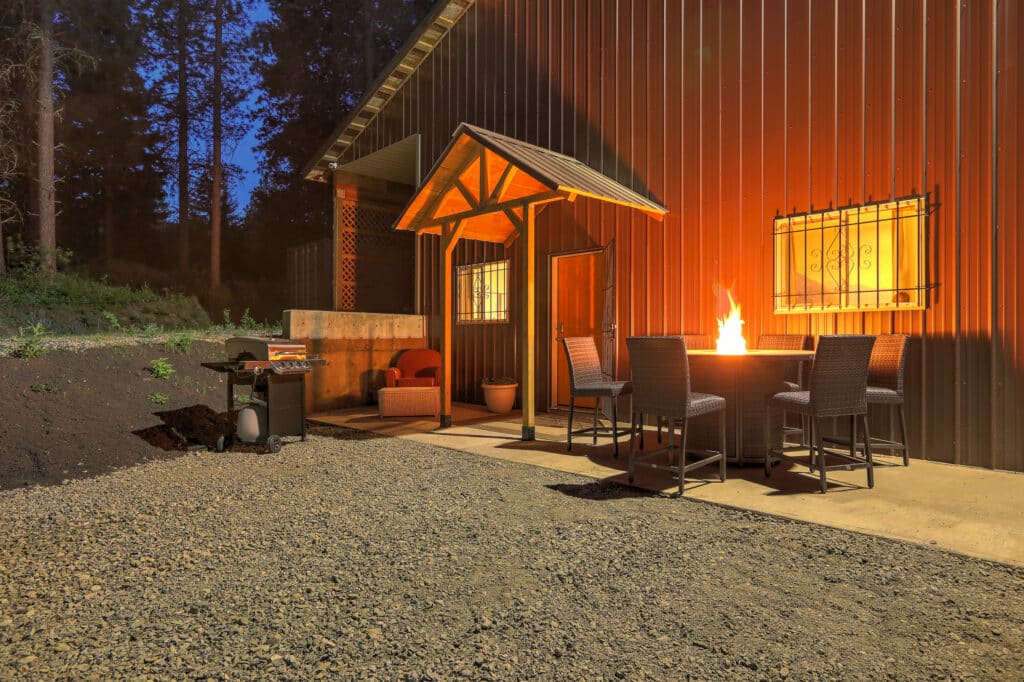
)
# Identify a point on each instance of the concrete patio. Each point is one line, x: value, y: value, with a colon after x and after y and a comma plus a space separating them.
x: 975, y: 512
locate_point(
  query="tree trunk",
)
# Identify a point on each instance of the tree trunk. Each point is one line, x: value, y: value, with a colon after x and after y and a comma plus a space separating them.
x: 46, y: 207
x: 108, y: 215
x: 215, y: 190
x: 182, y: 112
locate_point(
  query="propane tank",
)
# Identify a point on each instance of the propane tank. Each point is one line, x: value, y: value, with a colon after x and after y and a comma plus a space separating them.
x: 252, y: 423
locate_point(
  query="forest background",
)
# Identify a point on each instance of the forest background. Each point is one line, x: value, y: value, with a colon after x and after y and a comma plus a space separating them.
x: 114, y: 120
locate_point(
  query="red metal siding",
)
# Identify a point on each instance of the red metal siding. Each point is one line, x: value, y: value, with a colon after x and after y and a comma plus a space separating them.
x: 732, y: 112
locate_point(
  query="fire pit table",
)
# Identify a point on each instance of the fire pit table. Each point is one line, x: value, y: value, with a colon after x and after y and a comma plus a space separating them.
x: 744, y: 380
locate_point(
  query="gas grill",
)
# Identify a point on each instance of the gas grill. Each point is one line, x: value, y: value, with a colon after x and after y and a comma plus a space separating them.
x: 276, y: 371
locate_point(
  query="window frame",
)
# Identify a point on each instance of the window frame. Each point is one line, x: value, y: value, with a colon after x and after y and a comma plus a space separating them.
x: 854, y: 252
x: 500, y: 268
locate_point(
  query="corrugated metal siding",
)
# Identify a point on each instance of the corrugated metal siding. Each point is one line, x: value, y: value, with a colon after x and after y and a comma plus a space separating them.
x: 729, y: 113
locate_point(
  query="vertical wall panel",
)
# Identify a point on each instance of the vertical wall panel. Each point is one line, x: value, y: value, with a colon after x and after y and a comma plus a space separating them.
x: 732, y: 113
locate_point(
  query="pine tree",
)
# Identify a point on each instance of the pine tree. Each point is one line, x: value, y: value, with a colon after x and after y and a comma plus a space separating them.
x: 112, y: 176
x: 176, y: 38
x: 304, y: 98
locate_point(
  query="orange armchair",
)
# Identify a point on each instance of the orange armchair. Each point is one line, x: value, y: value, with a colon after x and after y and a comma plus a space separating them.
x: 421, y: 367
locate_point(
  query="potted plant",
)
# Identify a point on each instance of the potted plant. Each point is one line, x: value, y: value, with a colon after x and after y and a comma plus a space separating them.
x: 500, y: 394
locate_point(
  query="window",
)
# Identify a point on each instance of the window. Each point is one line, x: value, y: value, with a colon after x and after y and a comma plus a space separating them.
x: 861, y: 258
x: 483, y: 292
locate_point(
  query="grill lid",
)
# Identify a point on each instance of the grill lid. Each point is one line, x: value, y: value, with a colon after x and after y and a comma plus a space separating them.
x: 261, y: 348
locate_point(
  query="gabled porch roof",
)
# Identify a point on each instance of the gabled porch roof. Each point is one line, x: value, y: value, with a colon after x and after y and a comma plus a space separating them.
x: 482, y: 181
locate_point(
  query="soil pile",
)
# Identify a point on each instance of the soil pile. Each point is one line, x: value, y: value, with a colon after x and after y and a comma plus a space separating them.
x: 70, y: 414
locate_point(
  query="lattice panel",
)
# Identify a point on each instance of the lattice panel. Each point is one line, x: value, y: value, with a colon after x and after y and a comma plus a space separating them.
x: 347, y: 297
x: 363, y: 233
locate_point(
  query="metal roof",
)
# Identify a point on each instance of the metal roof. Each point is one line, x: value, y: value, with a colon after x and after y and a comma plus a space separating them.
x: 481, y: 175
x: 560, y: 172
x: 417, y: 48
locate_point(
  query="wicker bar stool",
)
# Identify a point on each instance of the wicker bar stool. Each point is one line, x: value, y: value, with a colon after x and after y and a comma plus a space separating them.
x: 693, y: 342
x: 587, y: 380
x: 885, y: 387
x: 661, y: 387
x: 794, y: 381
x: 838, y: 388
x: 698, y: 341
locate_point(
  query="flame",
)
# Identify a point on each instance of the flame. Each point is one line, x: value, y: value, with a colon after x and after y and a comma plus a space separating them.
x: 730, y: 331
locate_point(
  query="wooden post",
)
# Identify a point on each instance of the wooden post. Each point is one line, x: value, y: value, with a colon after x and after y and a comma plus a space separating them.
x: 528, y: 322
x: 449, y: 237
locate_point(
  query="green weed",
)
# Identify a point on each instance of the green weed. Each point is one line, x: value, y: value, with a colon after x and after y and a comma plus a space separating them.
x: 32, y: 344
x: 112, y: 320
x: 158, y: 398
x: 247, y: 322
x: 44, y: 388
x: 180, y: 343
x: 150, y: 330
x: 161, y: 368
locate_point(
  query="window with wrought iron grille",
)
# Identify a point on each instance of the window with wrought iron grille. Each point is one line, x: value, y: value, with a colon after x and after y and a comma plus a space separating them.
x: 869, y: 257
x: 483, y: 292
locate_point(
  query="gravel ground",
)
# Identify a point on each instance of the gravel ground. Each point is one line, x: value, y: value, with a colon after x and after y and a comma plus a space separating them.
x: 356, y: 557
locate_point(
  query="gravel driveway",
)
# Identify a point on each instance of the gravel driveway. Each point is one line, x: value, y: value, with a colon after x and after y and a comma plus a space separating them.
x: 361, y: 557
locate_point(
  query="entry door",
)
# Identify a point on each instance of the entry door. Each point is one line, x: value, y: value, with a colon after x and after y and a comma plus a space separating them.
x: 578, y: 310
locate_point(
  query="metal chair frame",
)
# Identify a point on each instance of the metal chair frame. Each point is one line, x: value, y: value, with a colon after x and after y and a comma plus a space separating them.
x: 661, y: 386
x: 885, y: 387
x: 587, y: 380
x: 838, y: 388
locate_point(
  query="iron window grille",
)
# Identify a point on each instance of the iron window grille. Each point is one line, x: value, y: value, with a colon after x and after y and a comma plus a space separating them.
x: 483, y: 292
x: 869, y: 257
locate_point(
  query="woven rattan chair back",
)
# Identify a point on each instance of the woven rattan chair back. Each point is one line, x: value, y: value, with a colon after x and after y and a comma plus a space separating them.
x: 698, y: 342
x: 584, y: 362
x: 660, y: 375
x: 839, y: 378
x: 781, y: 342
x: 888, y: 357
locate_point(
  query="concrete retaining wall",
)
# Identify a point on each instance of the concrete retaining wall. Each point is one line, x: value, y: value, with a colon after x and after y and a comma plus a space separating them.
x: 358, y: 348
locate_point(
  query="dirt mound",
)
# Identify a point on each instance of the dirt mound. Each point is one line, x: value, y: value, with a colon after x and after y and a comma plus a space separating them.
x: 71, y: 414
x: 194, y: 428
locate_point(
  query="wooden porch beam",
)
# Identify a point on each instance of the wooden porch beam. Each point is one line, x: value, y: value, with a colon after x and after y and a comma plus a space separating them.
x: 470, y: 199
x: 450, y: 234
x: 483, y: 174
x: 435, y: 201
x: 539, y: 198
x: 503, y: 182
x: 528, y: 323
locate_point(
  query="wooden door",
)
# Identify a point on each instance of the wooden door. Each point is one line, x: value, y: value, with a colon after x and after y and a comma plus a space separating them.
x: 577, y: 310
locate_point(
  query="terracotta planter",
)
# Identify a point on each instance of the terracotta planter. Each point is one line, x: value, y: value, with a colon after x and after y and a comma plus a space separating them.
x: 500, y: 397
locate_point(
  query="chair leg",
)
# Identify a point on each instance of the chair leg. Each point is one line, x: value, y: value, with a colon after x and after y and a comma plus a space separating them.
x: 640, y: 427
x: 659, y: 430
x: 812, y: 431
x: 615, y: 426
x: 682, y: 454
x: 768, y: 441
x: 903, y: 435
x: 634, y: 418
x: 597, y: 408
x: 816, y: 427
x: 572, y: 408
x: 853, y: 436
x: 867, y: 453
x: 670, y: 428
x: 721, y: 445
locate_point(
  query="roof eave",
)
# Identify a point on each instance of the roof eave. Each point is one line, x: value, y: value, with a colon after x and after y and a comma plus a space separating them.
x: 446, y: 12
